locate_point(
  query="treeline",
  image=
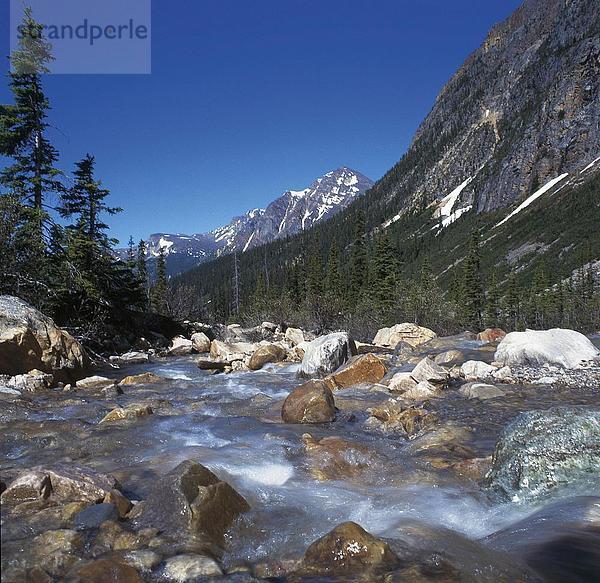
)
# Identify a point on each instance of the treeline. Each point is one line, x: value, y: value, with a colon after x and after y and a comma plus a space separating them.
x: 367, y: 285
x: 55, y: 246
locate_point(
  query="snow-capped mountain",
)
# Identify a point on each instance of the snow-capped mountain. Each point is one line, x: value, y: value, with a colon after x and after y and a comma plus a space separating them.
x: 290, y: 213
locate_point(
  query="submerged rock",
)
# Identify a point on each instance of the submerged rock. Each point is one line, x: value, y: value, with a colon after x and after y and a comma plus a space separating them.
x: 407, y: 332
x: 130, y: 412
x: 566, y: 348
x: 266, y: 354
x: 541, y: 451
x: 311, y: 402
x: 348, y: 548
x: 190, y: 500
x: 105, y: 570
x: 184, y: 568
x: 393, y: 417
x: 29, y: 340
x: 366, y: 368
x: 327, y: 353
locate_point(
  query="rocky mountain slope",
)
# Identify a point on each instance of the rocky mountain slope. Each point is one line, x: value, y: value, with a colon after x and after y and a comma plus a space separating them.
x: 511, y: 147
x: 290, y: 213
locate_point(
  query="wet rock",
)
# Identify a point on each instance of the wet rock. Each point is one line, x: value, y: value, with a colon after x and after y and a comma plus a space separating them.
x: 190, y: 499
x: 200, y: 342
x: 142, y: 560
x: 558, y: 346
x: 34, y: 380
x: 334, y: 458
x: 449, y: 358
x: 266, y: 354
x: 473, y: 370
x: 146, y: 378
x: 294, y: 336
x: 180, y: 346
x: 93, y: 516
x: 491, y: 335
x: 29, y: 340
x: 184, y: 568
x: 311, y: 402
x: 503, y: 375
x: 106, y: 570
x: 473, y: 468
x: 481, y: 391
x: 212, y: 365
x: 56, y: 551
x: 327, y: 353
x: 121, y: 503
x: 401, y: 382
x: 348, y: 548
x: 130, y: 412
x: 393, y: 417
x: 427, y: 370
x: 407, y: 332
x: 365, y: 368
x: 95, y: 382
x: 133, y: 357
x: 62, y: 483
x: 542, y: 451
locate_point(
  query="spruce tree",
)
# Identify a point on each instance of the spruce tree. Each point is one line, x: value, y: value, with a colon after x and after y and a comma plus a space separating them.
x: 492, y: 301
x: 158, y: 295
x: 359, y: 263
x: 472, y: 288
x: 333, y: 281
x: 384, y: 277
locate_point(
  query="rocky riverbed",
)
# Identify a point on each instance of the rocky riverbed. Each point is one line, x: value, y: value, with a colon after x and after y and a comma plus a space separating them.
x: 162, y: 471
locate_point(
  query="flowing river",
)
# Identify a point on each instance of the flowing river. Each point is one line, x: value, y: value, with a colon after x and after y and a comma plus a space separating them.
x: 397, y: 489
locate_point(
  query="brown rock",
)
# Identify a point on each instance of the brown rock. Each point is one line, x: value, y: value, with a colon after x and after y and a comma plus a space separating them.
x: 121, y: 503
x: 146, y: 378
x: 130, y: 412
x: 311, y: 402
x: 265, y: 354
x: 347, y: 548
x: 190, y: 500
x: 55, y: 550
x: 392, y: 417
x: 212, y: 365
x: 105, y: 570
x: 491, y: 335
x: 365, y: 368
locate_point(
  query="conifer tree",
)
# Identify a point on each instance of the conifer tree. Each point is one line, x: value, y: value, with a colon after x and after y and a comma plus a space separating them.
x: 358, y: 259
x: 158, y: 294
x: 512, y: 303
x: 142, y: 266
x: 333, y: 282
x: 492, y: 301
x: 472, y: 288
x: 384, y: 276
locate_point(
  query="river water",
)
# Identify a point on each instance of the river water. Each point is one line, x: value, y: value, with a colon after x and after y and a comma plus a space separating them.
x: 396, y: 489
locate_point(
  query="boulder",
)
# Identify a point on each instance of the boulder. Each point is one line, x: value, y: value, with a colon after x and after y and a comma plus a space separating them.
x: 130, y: 412
x: 103, y: 570
x: 34, y: 380
x: 145, y: 378
x: 95, y: 382
x: 327, y: 353
x: 231, y: 351
x: 481, y: 391
x: 449, y: 358
x: 503, y: 375
x: 200, y: 342
x: 29, y: 340
x: 180, y: 346
x: 476, y: 369
x: 365, y: 368
x: 566, y: 348
x: 294, y: 336
x: 265, y: 354
x: 93, y: 516
x: 347, y: 549
x: 427, y: 370
x: 134, y: 357
x: 491, y: 335
x: 190, y: 567
x: 401, y: 382
x: 61, y: 483
x: 190, y: 500
x: 421, y: 392
x: 311, y: 402
x: 407, y: 332
x: 269, y: 327
x: 213, y: 365
x: 541, y: 451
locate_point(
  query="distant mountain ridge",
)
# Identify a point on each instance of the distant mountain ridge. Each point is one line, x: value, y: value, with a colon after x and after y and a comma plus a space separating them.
x: 292, y: 212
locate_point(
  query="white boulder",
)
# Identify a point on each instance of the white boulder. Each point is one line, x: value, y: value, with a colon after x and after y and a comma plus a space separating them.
x: 476, y: 369
x: 327, y: 353
x: 566, y: 348
x: 180, y: 346
x: 294, y: 336
x: 200, y: 342
x: 407, y: 332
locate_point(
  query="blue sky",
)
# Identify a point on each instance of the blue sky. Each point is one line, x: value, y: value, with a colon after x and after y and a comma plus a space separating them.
x: 248, y: 99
